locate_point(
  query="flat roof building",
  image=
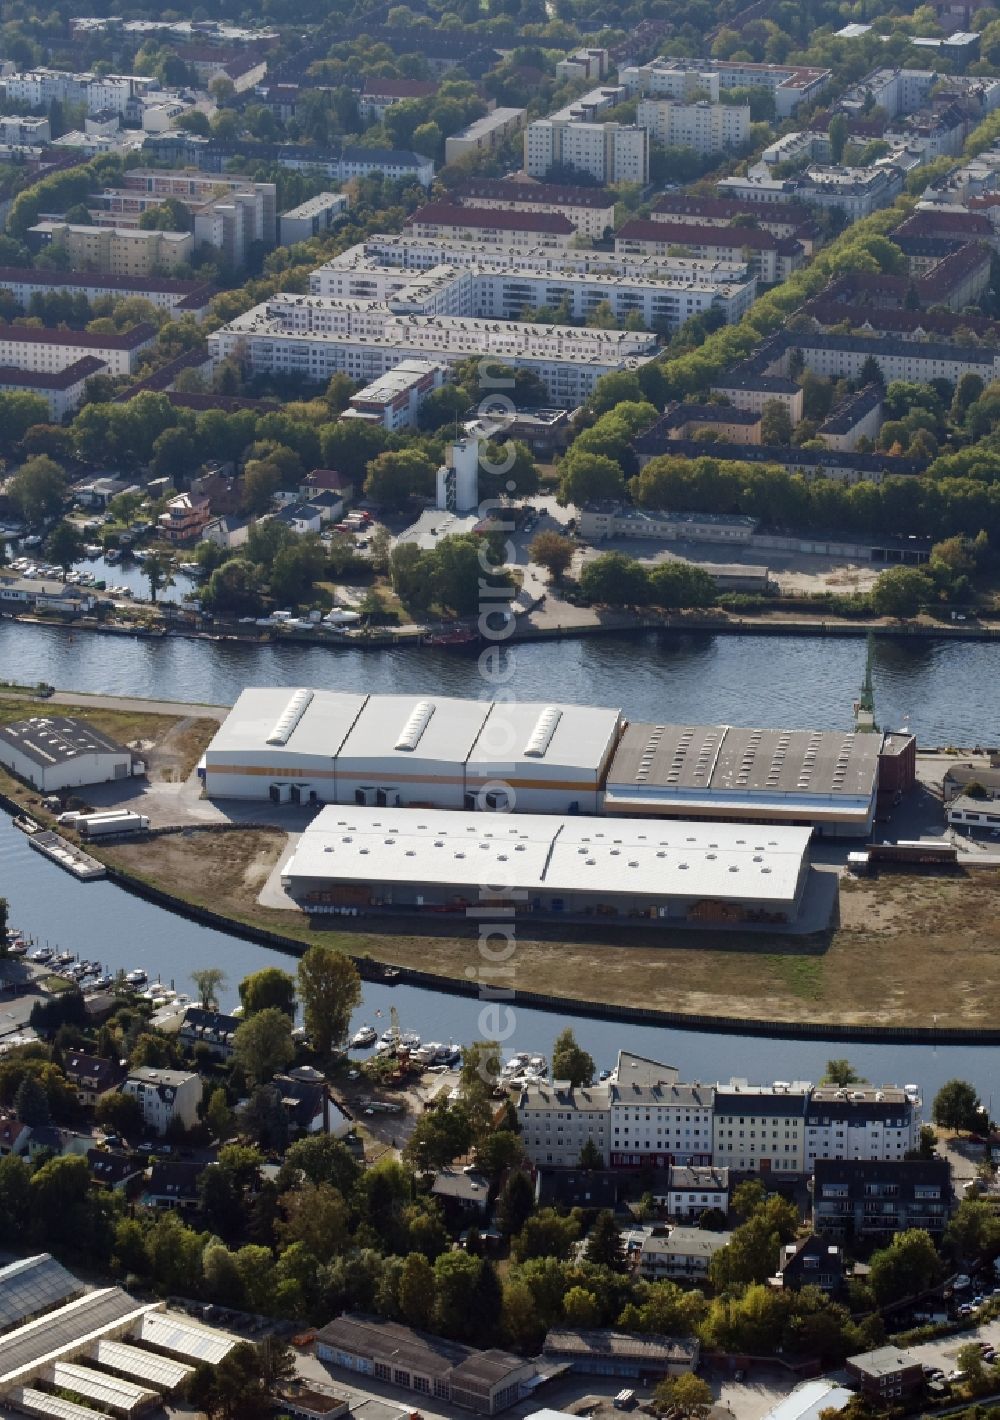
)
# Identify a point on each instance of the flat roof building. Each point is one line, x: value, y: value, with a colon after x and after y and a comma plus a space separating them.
x: 828, y: 779
x: 618, y: 1353
x: 386, y: 858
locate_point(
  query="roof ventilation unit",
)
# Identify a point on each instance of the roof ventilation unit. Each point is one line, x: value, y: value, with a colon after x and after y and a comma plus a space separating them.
x: 290, y: 717
x: 420, y: 718
x: 541, y: 735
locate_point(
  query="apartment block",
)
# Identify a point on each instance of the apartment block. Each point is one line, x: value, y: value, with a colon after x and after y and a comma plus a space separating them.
x: 861, y: 1122
x: 178, y: 297
x: 38, y: 88
x: 760, y: 1128
x: 870, y: 1199
x: 312, y: 218
x: 590, y: 209
x: 585, y: 64
x: 119, y: 251
x: 315, y: 337
x: 165, y: 1096
x: 679, y: 1254
x: 395, y: 399
x: 491, y: 227
x: 705, y: 127
x: 61, y: 389
x: 24, y: 131
x: 379, y: 95
x: 776, y: 218
x: 684, y: 80
x: 791, y: 85
x: 770, y: 258
x: 858, y: 417
x: 894, y: 91
x: 484, y: 134
x: 48, y: 351
x: 574, y: 137
x: 556, y: 1121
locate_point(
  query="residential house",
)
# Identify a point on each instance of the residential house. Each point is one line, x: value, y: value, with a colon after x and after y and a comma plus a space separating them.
x: 209, y: 1028
x: 811, y: 1262
x: 329, y: 507
x: 13, y: 1135
x: 326, y: 480
x: 186, y: 517
x: 886, y: 1375
x: 50, y: 1139
x: 92, y: 1077
x: 165, y: 1096
x: 301, y: 518
x: 875, y: 1198
x: 694, y: 1189
x: 173, y: 1184
x: 624, y: 1355
x: 760, y: 1128
x: 112, y: 1170
x: 579, y: 1188
x: 679, y: 1253
x: 464, y: 1194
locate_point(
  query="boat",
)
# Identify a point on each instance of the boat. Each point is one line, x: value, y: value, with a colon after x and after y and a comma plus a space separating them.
x: 43, y: 954
x: 364, y: 1038
x: 460, y: 636
x: 390, y: 973
x: 17, y: 949
x: 136, y: 978
x: 63, y: 959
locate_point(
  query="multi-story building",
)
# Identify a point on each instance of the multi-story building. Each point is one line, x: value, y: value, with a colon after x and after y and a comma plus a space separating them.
x: 585, y: 64
x: 705, y: 127
x: 760, y: 1128
x: 894, y: 91
x: 484, y: 134
x: 693, y: 1190
x: 379, y: 95
x: 857, y: 417
x: 92, y: 1076
x: 556, y: 1121
x: 491, y: 227
x: 28, y: 347
x: 679, y: 1253
x: 39, y: 88
x: 779, y: 220
x: 178, y: 297
x: 394, y: 399
x: 870, y: 1199
x: 62, y: 389
x: 575, y: 138
x: 315, y: 337
x: 771, y: 258
x: 886, y: 1375
x: 590, y: 209
x: 185, y: 517
x: 791, y: 85
x: 861, y: 1122
x: 338, y: 163
x: 165, y: 1096
x: 119, y: 251
x: 313, y: 217
x: 23, y: 130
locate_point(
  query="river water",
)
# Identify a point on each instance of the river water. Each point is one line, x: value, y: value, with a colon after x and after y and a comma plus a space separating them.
x: 945, y: 692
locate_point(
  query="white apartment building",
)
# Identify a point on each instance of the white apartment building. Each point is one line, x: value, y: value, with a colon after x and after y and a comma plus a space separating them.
x: 315, y: 337
x: 584, y: 64
x: 684, y: 80
x: 48, y: 351
x: 574, y: 137
x: 394, y: 399
x: 38, y: 88
x: 679, y: 1253
x: 434, y: 277
x: 660, y: 1123
x: 694, y: 1191
x: 861, y: 1122
x: 61, y: 389
x: 177, y: 297
x: 484, y: 134
x: 313, y: 217
x: 165, y: 1095
x: 760, y: 1128
x: 895, y: 91
x: 702, y: 126
x: 488, y: 226
x: 22, y: 130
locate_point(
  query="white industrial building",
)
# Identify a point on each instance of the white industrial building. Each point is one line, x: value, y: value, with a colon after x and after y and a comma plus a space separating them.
x: 57, y: 752
x: 578, y: 866
x: 339, y: 747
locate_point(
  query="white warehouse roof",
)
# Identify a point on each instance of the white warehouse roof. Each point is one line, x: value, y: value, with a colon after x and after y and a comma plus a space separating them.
x: 146, y: 1366
x: 522, y: 737
x: 184, y: 1338
x: 392, y: 728
x: 636, y: 857
x: 275, y: 718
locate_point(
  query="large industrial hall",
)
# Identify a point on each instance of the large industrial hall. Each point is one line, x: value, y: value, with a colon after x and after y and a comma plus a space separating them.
x: 393, y: 751
x: 580, y: 866
x: 117, y: 1354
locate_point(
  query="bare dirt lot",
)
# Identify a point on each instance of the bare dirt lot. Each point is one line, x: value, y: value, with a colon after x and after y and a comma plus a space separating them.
x: 909, y: 950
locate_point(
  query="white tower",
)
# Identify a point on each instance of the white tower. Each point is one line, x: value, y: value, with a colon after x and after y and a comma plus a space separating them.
x: 458, y: 479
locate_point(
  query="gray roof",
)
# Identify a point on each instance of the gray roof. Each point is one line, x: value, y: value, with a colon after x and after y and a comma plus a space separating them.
x: 32, y: 1285
x: 565, y: 1342
x: 743, y: 1102
x: 416, y: 1351
x: 685, y: 1096
x: 885, y: 1361
x: 456, y: 1183
x: 686, y: 1242
x: 702, y: 1176
x: 48, y: 740
x: 734, y: 760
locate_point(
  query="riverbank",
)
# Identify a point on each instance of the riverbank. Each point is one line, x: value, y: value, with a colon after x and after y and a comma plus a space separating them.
x: 912, y: 958
x: 564, y: 623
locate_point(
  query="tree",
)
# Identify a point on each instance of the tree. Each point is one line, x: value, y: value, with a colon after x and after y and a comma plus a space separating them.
x: 19, y: 412
x: 233, y: 1389
x: 263, y: 1045
x: 775, y: 423
x: 900, y: 592
x: 837, y: 134
x: 973, y: 1234
x: 438, y: 1136
x: 31, y: 1103
x: 269, y: 987
x: 570, y: 1062
x: 120, y: 1114
x: 330, y: 991
x: 515, y: 1204
x: 590, y: 477
x: 686, y: 1395
x: 840, y: 1072
x: 956, y: 1106
x: 315, y: 1215
x: 552, y: 551
x: 218, y: 1115
x: 65, y: 545
x: 234, y: 588
x: 604, y: 1242
x: 4, y: 919
x: 208, y: 981
x: 580, y: 1308
x: 417, y: 1297
x: 37, y: 489
x: 908, y: 1267
x: 157, y: 570
x: 321, y: 1158
x: 394, y: 478
x: 615, y: 580
x: 265, y: 1118
x: 591, y: 1156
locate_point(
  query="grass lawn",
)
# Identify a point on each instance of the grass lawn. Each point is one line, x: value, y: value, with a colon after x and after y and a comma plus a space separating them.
x: 909, y: 951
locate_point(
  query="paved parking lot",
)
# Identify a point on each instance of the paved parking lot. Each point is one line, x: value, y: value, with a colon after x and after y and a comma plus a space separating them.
x: 754, y: 1397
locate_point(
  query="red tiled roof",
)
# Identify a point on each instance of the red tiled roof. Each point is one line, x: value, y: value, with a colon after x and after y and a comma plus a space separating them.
x: 123, y: 340
x: 690, y: 234
x: 39, y: 276
x: 444, y: 214
x: 51, y: 379
x: 541, y: 192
